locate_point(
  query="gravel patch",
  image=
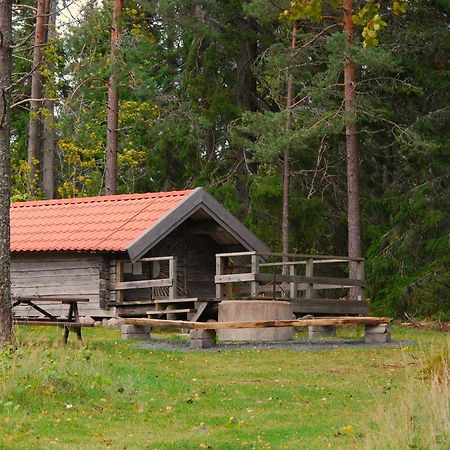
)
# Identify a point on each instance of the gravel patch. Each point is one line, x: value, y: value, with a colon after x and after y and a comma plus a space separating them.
x: 303, y: 345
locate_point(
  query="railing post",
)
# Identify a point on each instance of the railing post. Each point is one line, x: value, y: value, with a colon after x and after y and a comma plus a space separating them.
x: 219, y: 271
x: 254, y: 285
x: 360, y: 276
x: 309, y: 272
x: 173, y: 277
x: 292, y: 283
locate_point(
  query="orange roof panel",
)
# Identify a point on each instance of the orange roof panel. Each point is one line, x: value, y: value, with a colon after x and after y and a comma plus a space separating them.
x: 109, y: 223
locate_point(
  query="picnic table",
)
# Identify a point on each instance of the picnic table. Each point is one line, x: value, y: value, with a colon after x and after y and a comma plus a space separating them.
x: 70, y: 323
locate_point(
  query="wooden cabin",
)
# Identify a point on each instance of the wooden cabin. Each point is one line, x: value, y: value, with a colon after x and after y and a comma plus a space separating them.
x: 128, y: 254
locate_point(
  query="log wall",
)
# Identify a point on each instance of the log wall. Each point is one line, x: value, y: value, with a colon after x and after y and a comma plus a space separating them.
x: 62, y: 275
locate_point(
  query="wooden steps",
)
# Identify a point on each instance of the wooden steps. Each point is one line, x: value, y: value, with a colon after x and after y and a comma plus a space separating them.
x: 175, y: 300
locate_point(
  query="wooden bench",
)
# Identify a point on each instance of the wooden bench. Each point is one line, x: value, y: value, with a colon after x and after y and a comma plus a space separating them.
x: 70, y: 323
x: 202, y: 335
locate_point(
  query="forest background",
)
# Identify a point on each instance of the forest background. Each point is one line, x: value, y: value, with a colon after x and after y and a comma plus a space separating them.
x: 203, y: 102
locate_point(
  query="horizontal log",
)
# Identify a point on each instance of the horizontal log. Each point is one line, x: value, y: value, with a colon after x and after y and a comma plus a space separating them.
x: 170, y: 311
x: 142, y: 284
x: 53, y: 323
x: 329, y: 321
x: 151, y: 259
x: 332, y: 282
x: 37, y: 298
x: 341, y: 282
x: 235, y: 278
x: 330, y: 306
x: 292, y: 255
x: 302, y: 263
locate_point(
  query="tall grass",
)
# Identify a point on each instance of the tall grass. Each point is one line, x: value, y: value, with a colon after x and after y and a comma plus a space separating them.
x: 31, y: 372
x: 420, y: 419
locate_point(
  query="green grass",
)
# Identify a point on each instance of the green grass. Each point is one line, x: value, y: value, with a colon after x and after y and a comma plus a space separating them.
x: 109, y: 394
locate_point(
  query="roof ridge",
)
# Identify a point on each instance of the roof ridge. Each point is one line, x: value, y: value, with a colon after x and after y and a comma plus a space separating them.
x: 99, y: 199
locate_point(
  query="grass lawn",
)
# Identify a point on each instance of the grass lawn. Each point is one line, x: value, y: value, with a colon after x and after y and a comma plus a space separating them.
x: 109, y: 394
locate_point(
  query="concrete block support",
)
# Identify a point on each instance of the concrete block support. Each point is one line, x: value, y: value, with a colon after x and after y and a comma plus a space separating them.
x: 202, y: 338
x: 321, y: 331
x: 377, y: 333
x: 254, y: 310
x: 135, y: 332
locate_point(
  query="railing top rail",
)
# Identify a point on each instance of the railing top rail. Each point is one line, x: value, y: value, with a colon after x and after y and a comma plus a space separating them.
x: 153, y: 258
x: 294, y: 255
x: 302, y: 263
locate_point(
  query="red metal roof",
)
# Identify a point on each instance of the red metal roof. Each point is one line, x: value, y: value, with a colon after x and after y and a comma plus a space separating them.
x: 109, y: 223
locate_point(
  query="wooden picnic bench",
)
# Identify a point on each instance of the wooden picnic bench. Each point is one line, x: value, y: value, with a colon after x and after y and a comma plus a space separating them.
x: 202, y: 335
x: 69, y: 323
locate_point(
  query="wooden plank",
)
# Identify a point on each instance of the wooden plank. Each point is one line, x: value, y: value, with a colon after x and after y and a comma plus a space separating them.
x: 302, y: 263
x: 54, y: 273
x: 254, y: 269
x: 170, y: 311
x: 329, y: 321
x: 38, y: 298
x: 341, y: 282
x: 201, y: 306
x: 329, y: 306
x: 309, y: 272
x: 295, y: 255
x: 150, y: 259
x: 54, y: 323
x: 236, y: 278
x: 175, y: 300
x: 224, y: 255
x: 140, y: 284
x: 42, y: 264
x: 173, y: 277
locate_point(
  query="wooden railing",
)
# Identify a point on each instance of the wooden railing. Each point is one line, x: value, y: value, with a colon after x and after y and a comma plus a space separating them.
x: 270, y: 274
x: 170, y: 281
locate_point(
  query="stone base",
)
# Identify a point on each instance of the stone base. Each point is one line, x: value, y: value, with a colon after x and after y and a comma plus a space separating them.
x: 375, y: 334
x: 255, y: 310
x: 202, y: 338
x: 321, y: 331
x: 135, y: 332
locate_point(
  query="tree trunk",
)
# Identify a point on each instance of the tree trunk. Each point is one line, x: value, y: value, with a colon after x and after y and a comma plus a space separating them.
x: 246, y: 99
x: 35, y: 124
x: 286, y: 161
x: 48, y: 132
x: 353, y: 215
x: 113, y: 105
x: 5, y: 96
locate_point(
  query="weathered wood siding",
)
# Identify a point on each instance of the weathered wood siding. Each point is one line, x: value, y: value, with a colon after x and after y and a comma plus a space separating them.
x: 65, y: 275
x: 196, y: 266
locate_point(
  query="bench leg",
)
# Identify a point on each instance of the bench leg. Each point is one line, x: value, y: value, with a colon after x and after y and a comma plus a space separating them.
x: 72, y: 314
x: 77, y: 319
x: 321, y: 331
x: 202, y: 338
x: 377, y: 333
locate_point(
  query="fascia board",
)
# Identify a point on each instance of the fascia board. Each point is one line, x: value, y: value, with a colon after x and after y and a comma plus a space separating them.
x: 198, y: 199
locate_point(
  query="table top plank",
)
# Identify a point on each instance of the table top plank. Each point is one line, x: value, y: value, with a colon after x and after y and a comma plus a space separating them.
x: 48, y: 299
